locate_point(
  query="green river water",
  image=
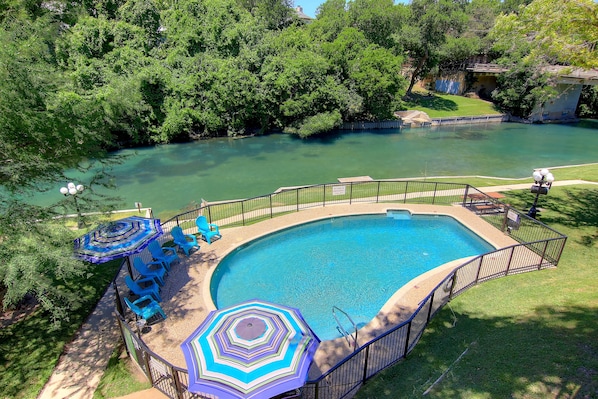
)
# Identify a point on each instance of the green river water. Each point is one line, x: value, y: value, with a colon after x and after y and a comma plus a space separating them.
x: 169, y: 177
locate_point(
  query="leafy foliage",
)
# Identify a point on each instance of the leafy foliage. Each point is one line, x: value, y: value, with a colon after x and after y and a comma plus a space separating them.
x: 551, y: 32
x: 588, y: 102
x: 521, y: 88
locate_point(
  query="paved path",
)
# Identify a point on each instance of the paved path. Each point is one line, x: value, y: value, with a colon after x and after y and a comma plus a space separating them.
x: 84, y: 360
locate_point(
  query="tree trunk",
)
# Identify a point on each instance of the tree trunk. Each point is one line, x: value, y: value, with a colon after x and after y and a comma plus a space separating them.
x: 416, y: 72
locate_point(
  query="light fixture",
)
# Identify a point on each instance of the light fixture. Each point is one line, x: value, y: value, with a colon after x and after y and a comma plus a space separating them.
x: 543, y: 180
x: 73, y: 190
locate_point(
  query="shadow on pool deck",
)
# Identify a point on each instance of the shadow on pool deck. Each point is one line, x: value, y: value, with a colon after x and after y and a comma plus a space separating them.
x: 187, y: 300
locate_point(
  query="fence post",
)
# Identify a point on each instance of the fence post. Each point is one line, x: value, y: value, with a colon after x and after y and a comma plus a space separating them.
x: 543, y: 254
x: 477, y: 276
x: 297, y: 199
x: 406, y: 186
x: 351, y: 193
x: 271, y: 210
x: 324, y: 196
x: 243, y: 212
x: 145, y: 357
x: 453, y: 283
x: 430, y: 308
x: 378, y: 193
x: 406, y: 349
x: 180, y: 392
x: 510, y: 261
x: 365, y: 364
x: 465, y: 196
x: 434, y: 196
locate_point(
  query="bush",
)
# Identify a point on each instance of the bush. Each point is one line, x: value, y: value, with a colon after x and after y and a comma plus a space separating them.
x: 320, y: 123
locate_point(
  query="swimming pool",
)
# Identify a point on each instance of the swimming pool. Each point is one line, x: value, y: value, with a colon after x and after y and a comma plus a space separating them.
x: 353, y: 262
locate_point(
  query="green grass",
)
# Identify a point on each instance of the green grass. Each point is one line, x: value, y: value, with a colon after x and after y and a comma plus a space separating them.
x: 121, y: 377
x: 446, y: 105
x: 533, y: 335
x: 30, y: 349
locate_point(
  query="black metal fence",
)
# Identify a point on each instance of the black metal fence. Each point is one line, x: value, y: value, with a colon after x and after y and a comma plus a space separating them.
x: 540, y: 247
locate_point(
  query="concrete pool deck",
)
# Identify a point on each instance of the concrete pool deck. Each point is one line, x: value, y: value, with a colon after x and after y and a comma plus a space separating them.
x: 187, y: 301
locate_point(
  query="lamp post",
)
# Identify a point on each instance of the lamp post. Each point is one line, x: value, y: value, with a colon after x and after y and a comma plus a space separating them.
x: 542, y: 182
x: 73, y: 190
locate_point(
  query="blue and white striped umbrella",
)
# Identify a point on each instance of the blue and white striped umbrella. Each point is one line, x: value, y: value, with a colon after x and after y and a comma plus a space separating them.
x: 117, y: 239
x: 254, y: 349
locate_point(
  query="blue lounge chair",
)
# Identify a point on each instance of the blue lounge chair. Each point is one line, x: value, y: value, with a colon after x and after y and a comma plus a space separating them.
x: 138, y: 289
x: 145, y: 307
x: 166, y: 255
x: 207, y: 230
x: 145, y: 270
x: 185, y: 241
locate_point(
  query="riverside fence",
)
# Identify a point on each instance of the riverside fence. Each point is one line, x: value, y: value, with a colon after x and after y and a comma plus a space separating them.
x: 539, y: 247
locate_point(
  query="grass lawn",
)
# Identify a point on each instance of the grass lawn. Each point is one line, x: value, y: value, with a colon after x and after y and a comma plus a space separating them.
x: 446, y: 105
x: 533, y: 335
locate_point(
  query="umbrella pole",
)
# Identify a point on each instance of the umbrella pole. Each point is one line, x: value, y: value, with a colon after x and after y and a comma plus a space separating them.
x: 129, y: 267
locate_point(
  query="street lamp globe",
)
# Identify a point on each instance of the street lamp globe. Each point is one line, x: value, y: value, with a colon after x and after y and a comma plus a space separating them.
x: 543, y: 180
x: 73, y: 189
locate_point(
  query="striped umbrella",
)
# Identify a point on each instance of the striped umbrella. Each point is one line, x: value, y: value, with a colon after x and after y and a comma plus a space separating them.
x: 254, y: 349
x: 117, y: 239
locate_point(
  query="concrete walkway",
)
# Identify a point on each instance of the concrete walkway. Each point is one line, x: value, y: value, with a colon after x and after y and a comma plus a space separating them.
x: 84, y: 360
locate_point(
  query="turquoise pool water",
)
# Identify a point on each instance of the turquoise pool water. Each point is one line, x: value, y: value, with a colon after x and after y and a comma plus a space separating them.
x: 353, y: 262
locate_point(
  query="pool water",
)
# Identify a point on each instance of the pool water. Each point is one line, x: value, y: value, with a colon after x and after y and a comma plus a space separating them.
x: 353, y: 262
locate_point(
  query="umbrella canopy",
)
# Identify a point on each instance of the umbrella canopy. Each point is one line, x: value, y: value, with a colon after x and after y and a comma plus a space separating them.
x: 255, y: 349
x: 117, y: 239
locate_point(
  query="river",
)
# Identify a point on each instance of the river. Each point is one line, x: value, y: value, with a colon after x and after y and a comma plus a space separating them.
x: 170, y: 177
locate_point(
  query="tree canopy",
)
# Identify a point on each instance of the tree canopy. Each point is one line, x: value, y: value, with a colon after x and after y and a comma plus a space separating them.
x: 563, y: 32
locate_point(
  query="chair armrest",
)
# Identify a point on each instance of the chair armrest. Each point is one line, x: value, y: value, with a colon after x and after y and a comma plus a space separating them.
x: 155, y: 262
x: 214, y: 227
x: 143, y: 280
x: 145, y: 298
x: 167, y: 248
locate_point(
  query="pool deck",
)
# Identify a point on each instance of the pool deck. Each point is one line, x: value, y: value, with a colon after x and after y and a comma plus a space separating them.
x: 187, y: 301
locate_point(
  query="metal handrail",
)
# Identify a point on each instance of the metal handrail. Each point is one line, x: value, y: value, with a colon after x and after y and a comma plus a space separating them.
x: 342, y: 330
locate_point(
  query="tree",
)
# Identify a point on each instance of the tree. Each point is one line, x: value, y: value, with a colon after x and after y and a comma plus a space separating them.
x: 588, y: 102
x: 272, y: 14
x: 332, y: 19
x: 379, y: 20
x: 45, y: 128
x: 430, y: 23
x: 550, y: 32
x: 521, y: 88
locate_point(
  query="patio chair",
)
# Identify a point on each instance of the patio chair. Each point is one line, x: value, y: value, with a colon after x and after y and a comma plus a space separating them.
x: 145, y: 270
x: 185, y: 241
x: 138, y: 288
x: 163, y: 254
x: 207, y: 230
x: 145, y: 307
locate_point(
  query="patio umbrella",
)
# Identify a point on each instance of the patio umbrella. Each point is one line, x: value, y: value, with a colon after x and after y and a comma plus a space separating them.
x: 117, y: 239
x: 254, y: 349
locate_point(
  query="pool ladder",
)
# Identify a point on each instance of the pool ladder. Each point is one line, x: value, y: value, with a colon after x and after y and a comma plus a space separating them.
x: 348, y: 337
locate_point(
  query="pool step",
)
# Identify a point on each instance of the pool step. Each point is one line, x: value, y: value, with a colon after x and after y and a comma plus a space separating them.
x: 399, y: 214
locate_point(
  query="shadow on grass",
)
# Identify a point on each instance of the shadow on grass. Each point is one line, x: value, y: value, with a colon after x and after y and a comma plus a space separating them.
x: 431, y: 101
x: 551, y: 354
x: 571, y: 207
